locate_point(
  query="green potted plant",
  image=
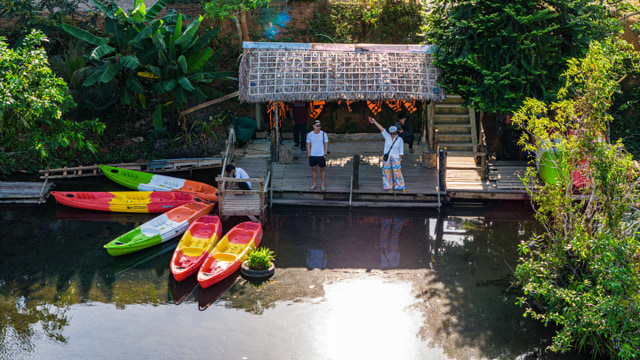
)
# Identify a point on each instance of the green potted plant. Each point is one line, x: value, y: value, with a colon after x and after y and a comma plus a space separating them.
x: 259, y: 264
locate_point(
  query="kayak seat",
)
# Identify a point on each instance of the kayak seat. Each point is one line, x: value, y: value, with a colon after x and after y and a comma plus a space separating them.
x: 192, y: 251
x: 224, y: 257
x: 240, y: 237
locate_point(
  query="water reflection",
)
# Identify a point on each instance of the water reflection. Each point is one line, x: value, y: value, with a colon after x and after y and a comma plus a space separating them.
x: 427, y: 284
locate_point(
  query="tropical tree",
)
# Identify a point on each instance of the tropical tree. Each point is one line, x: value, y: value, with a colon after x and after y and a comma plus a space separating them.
x: 582, y: 273
x: 236, y: 10
x: 151, y: 59
x: 32, y: 105
x: 497, y: 53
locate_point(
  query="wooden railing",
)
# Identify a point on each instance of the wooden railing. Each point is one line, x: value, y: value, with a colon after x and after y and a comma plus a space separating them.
x: 235, y: 202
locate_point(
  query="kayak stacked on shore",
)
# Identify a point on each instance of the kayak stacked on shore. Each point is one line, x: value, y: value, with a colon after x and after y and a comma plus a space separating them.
x: 159, y: 229
x: 125, y: 201
x: 142, y: 181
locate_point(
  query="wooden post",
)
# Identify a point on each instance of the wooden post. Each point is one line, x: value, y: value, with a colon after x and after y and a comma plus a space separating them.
x: 259, y: 116
x: 432, y: 112
x: 356, y: 170
x: 442, y: 168
x: 276, y: 127
x: 423, y: 140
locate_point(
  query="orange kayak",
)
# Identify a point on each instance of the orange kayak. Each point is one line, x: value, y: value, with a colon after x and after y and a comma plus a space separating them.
x: 194, y: 247
x: 125, y: 201
x: 227, y: 256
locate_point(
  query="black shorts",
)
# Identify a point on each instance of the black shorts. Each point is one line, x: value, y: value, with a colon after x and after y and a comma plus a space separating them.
x: 317, y: 161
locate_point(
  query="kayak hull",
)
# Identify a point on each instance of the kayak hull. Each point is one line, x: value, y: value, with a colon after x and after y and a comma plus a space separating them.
x: 195, y: 245
x: 160, y: 229
x: 142, y: 181
x: 125, y: 201
x: 227, y: 256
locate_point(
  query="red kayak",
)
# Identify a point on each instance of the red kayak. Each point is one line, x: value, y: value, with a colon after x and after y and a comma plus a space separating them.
x: 194, y: 247
x: 125, y: 201
x: 231, y: 251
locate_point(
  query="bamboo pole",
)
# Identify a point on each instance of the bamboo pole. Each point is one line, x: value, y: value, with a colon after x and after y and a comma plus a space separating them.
x: 209, y: 103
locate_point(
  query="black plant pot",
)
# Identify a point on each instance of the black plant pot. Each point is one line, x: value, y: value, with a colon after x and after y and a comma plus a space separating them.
x: 256, y: 275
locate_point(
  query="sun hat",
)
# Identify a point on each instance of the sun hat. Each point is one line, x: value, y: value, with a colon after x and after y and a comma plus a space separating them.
x: 393, y: 129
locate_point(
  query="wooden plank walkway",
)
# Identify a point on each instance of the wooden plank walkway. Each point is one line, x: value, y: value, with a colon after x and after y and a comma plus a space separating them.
x: 24, y: 192
x: 291, y: 182
x: 153, y: 166
x: 502, y: 181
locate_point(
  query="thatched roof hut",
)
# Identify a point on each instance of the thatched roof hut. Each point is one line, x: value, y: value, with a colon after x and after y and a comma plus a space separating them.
x: 333, y: 72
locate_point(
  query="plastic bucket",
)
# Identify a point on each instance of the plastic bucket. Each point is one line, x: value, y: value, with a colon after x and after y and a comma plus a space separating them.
x: 244, y: 127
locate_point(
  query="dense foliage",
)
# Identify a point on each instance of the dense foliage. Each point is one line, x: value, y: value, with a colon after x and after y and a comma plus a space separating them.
x: 583, y: 272
x: 497, y: 53
x: 235, y: 10
x: 151, y: 60
x: 352, y: 22
x: 33, y: 130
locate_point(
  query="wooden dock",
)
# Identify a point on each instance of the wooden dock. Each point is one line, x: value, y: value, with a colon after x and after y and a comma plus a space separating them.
x: 290, y: 182
x: 501, y: 180
x: 153, y: 166
x: 24, y: 192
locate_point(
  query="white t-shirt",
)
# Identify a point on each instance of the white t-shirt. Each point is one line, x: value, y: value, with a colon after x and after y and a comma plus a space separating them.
x: 398, y: 147
x: 241, y: 174
x: 317, y: 142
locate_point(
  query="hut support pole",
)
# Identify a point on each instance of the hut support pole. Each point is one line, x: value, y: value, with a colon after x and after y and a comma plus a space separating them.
x: 259, y: 116
x: 423, y: 140
x: 276, y: 127
x: 432, y: 108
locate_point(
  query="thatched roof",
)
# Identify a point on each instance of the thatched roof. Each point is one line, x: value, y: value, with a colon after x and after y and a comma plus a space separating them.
x: 333, y: 72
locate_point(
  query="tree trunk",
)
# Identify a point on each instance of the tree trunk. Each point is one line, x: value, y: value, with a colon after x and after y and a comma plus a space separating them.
x: 243, y: 23
x: 236, y: 20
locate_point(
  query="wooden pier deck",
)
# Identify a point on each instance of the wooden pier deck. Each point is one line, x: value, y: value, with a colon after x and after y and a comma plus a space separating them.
x: 151, y: 166
x: 24, y: 192
x: 290, y: 182
x: 464, y: 180
x: 501, y: 182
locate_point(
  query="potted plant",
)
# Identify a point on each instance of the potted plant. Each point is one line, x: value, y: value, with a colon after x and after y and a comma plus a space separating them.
x: 258, y: 265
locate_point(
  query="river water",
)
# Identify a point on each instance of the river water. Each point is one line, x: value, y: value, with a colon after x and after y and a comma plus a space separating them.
x: 360, y: 284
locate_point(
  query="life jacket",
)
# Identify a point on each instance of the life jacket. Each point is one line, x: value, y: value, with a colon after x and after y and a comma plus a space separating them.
x: 281, y: 113
x: 348, y: 102
x: 410, y: 105
x: 395, y: 105
x: 375, y: 107
x: 315, y: 108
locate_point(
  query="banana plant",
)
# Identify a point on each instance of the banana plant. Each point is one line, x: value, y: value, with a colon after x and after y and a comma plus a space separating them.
x: 151, y: 59
x: 182, y: 64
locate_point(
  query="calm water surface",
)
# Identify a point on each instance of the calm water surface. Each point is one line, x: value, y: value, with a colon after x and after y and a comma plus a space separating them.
x: 365, y: 284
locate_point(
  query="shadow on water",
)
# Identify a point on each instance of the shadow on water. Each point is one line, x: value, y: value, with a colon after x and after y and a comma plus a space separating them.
x: 459, y: 264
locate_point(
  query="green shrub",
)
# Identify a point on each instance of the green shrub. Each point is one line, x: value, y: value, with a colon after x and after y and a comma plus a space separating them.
x: 260, y: 258
x: 582, y: 273
x: 33, y: 102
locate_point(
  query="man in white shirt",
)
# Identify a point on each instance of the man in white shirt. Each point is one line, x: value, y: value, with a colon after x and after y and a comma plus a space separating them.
x: 239, y: 173
x: 317, y: 150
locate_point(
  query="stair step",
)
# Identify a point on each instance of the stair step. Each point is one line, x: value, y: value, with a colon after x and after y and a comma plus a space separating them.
x: 445, y: 105
x: 453, y: 125
x: 453, y: 115
x: 455, y: 135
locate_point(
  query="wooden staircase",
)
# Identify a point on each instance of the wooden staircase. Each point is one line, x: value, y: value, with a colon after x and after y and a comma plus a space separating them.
x: 456, y: 126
